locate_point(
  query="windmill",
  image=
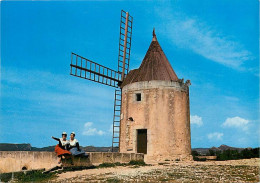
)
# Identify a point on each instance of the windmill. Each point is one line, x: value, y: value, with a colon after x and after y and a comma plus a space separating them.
x: 84, y: 68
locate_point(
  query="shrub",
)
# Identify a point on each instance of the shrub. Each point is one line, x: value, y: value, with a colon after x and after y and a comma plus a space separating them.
x: 114, y: 180
x: 105, y: 165
x: 34, y: 176
x: 28, y: 176
x: 199, y: 159
x: 137, y: 162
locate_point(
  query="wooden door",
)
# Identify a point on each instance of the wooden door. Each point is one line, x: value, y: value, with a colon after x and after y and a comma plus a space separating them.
x: 142, y: 141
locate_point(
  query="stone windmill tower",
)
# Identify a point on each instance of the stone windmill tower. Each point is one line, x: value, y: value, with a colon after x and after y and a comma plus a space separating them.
x: 155, y: 111
x: 151, y: 106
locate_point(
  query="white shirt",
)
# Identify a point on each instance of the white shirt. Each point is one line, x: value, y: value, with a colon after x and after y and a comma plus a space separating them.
x: 73, y: 142
x: 64, y: 143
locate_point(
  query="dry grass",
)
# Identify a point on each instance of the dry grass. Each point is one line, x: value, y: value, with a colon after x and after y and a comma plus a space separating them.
x: 235, y: 171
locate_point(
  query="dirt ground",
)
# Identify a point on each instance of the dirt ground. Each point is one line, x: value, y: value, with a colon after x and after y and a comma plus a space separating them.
x: 212, y: 171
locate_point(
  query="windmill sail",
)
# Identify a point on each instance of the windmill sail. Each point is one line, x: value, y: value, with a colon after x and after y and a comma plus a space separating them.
x: 87, y: 69
x: 125, y: 37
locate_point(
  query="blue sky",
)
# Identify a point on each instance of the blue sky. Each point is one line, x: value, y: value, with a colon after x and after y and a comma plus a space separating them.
x: 212, y: 43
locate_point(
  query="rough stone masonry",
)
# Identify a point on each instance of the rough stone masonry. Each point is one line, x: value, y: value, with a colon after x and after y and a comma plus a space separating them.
x: 155, y: 113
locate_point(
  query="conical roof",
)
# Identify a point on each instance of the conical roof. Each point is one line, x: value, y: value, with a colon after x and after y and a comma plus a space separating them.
x: 155, y: 66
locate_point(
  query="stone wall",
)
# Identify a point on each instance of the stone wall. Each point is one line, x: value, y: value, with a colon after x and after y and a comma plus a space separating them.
x: 207, y: 158
x: 109, y: 157
x: 164, y: 111
x: 12, y: 161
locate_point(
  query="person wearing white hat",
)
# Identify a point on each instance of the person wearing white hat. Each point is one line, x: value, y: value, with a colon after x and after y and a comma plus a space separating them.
x: 74, y: 146
x: 62, y: 148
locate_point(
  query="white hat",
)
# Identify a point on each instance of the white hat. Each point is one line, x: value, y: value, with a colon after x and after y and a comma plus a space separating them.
x: 64, y: 133
x: 73, y: 133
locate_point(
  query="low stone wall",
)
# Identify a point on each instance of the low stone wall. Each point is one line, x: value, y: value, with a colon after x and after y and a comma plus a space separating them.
x: 109, y: 157
x: 12, y: 161
x: 207, y: 158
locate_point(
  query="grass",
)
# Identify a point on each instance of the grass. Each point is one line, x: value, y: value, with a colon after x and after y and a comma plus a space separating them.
x: 164, y: 179
x: 27, y: 176
x: 135, y: 166
x: 75, y: 168
x: 189, y: 173
x: 113, y: 180
x: 137, y: 162
x: 35, y: 177
x: 134, y: 163
x: 106, y: 165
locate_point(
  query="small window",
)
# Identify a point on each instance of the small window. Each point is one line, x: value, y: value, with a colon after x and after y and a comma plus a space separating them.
x: 138, y: 97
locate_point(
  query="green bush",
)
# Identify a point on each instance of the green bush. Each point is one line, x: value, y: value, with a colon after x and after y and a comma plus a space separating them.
x: 199, y: 159
x: 27, y: 176
x: 34, y: 176
x: 194, y: 153
x: 235, y: 154
x: 137, y: 162
x: 230, y: 154
x: 132, y: 162
x: 105, y: 165
x: 113, y: 180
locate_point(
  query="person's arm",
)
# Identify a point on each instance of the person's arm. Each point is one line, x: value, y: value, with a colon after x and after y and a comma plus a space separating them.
x: 68, y: 146
x: 77, y: 145
x: 55, y: 138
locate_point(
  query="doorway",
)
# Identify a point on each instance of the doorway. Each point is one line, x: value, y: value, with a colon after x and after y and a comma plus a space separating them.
x: 142, y: 141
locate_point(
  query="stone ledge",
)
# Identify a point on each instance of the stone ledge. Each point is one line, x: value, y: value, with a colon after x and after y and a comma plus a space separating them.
x: 12, y: 161
x: 142, y: 85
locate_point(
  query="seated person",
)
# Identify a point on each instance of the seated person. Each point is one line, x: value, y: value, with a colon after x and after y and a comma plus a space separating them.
x: 62, y: 148
x: 74, y: 146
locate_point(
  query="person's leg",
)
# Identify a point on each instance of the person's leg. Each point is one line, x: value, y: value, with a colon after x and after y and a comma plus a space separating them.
x: 72, y: 160
x: 59, y: 162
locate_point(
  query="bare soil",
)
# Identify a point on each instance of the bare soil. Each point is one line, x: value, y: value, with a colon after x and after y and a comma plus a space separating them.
x: 246, y: 170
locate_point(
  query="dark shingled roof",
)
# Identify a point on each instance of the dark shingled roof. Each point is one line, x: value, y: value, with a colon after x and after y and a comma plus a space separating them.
x: 155, y: 66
